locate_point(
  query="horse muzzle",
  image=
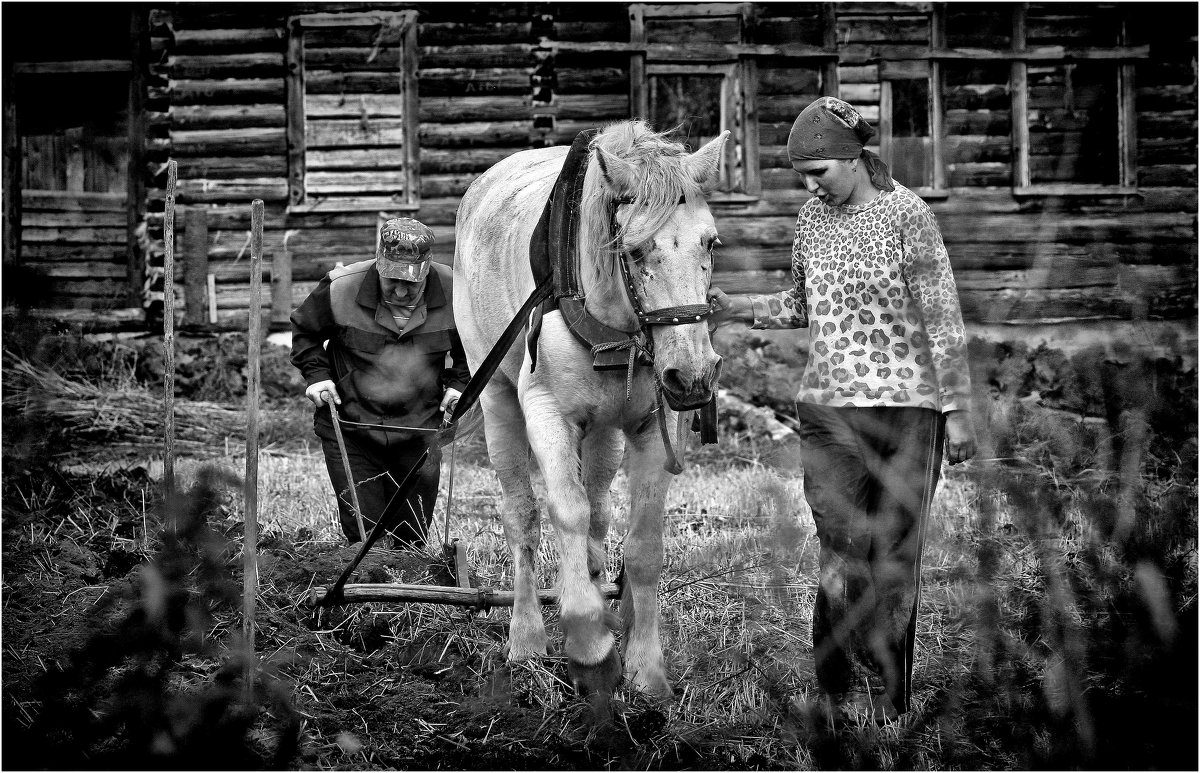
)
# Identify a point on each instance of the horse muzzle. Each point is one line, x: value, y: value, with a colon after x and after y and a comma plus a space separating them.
x: 684, y: 392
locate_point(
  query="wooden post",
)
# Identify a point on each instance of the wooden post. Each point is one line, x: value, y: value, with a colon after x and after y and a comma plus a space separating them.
x: 12, y: 168
x: 639, y: 99
x: 281, y: 290
x: 254, y: 347
x: 195, y: 266
x: 294, y: 89
x: 135, y: 189
x: 169, y: 328
x: 212, y: 298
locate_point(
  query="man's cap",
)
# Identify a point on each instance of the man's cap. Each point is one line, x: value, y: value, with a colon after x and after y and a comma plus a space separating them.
x: 404, y: 246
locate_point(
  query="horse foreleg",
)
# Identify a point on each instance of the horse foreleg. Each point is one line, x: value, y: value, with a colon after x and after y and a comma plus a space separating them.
x: 592, y: 660
x: 648, y: 484
x: 601, y: 459
x: 508, y: 450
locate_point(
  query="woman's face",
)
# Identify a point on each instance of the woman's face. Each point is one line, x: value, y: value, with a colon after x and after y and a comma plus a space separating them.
x: 833, y: 181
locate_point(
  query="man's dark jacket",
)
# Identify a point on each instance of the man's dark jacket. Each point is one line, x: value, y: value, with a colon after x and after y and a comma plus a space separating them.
x: 383, y: 375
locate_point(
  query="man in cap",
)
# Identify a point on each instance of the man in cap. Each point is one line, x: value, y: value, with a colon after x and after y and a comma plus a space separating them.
x: 373, y: 339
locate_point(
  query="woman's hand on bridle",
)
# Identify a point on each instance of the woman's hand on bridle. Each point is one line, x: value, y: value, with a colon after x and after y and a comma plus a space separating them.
x: 726, y: 308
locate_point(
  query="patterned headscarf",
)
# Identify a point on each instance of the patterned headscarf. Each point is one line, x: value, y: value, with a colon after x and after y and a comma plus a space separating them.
x: 831, y: 129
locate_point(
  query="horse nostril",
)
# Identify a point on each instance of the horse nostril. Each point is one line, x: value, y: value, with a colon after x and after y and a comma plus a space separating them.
x: 673, y: 381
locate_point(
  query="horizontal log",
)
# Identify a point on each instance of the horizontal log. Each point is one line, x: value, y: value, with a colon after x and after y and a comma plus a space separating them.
x: 874, y: 30
x: 107, y: 301
x: 441, y: 82
x: 72, y: 201
x: 77, y: 270
x: 96, y: 236
x: 229, y: 142
x: 384, y: 59
x: 1174, y: 124
x: 32, y: 218
x: 1175, y: 150
x: 236, y: 216
x: 482, y: 134
x: 322, y: 183
x: 205, y: 190
x: 357, y: 593
x: 228, y: 41
x: 224, y: 168
x: 227, y: 65
x: 355, y: 106
x: 607, y: 80
x: 238, y: 296
x: 66, y: 252
x: 784, y: 107
x: 72, y: 67
x: 331, y: 17
x: 976, y: 147
x: 447, y: 184
x: 775, y: 79
x: 992, y: 123
x: 468, y: 32
x: 493, y: 108
x: 857, y: 93
x: 192, y: 117
x: 354, y: 158
x: 95, y: 287
x: 978, y: 174
x: 480, y: 55
x: 222, y: 92
x: 868, y: 73
x: 323, y: 133
x: 466, y: 160
x: 394, y: 205
x: 1168, y: 174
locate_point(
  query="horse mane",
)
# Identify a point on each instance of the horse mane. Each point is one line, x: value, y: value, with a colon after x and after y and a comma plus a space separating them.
x: 661, y: 181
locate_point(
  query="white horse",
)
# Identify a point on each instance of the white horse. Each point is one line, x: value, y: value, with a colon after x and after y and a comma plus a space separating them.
x: 577, y: 419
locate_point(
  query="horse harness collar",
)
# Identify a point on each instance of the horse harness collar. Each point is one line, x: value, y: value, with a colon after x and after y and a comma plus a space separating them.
x: 553, y: 256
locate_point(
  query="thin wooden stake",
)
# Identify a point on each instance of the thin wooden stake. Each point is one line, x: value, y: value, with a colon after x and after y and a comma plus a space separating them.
x: 169, y: 330
x: 253, y: 354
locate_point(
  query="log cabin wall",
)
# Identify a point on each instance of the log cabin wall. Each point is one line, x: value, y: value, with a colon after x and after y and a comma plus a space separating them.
x: 70, y: 143
x: 1056, y: 144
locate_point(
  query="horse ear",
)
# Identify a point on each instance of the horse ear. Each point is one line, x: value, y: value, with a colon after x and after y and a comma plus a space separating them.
x: 619, y: 174
x: 705, y: 164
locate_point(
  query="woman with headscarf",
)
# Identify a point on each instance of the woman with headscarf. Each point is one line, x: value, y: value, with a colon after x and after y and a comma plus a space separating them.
x: 884, y: 391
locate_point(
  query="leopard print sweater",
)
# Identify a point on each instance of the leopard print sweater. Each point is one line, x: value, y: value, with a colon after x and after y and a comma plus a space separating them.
x: 874, y: 287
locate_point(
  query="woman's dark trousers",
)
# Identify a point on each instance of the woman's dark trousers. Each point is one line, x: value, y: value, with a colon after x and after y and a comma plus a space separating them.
x: 869, y: 476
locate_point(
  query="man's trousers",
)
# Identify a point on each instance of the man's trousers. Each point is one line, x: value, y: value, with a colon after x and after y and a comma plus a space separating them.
x: 379, y: 469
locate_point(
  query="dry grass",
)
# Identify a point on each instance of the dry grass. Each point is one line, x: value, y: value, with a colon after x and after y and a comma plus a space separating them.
x: 737, y: 594
x: 1036, y: 630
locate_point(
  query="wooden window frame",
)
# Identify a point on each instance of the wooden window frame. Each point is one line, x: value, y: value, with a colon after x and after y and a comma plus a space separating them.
x: 298, y: 200
x: 1019, y: 55
x: 738, y: 63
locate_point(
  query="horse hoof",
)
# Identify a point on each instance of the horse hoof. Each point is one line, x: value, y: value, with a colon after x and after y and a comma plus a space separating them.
x: 657, y: 687
x: 521, y: 654
x: 596, y: 679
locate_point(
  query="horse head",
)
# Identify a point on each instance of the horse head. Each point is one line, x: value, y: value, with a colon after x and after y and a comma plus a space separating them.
x: 643, y: 203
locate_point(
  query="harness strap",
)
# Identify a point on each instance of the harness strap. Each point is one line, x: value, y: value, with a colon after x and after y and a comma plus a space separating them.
x: 479, y: 379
